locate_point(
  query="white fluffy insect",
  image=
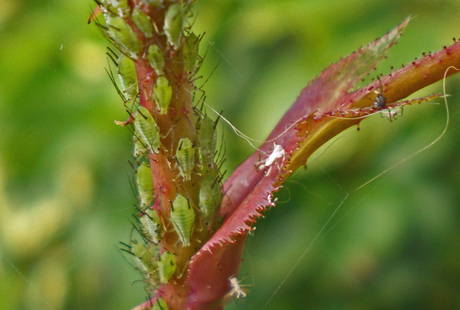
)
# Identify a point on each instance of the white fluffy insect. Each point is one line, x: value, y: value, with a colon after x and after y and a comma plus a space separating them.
x: 278, y: 152
x: 236, y: 290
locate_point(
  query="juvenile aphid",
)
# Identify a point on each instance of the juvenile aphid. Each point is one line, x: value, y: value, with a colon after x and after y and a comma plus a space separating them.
x: 162, y: 93
x: 210, y: 193
x: 136, y: 261
x: 183, y: 218
x: 146, y: 130
x: 190, y: 51
x: 160, y: 304
x: 156, y: 59
x: 166, y: 266
x: 151, y: 226
x: 123, y: 35
x: 142, y: 21
x: 185, y: 157
x: 128, y: 76
x: 146, y: 255
x: 144, y: 184
x: 174, y: 25
x: 208, y: 141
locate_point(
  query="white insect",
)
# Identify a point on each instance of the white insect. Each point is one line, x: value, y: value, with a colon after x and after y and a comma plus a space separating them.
x: 278, y: 152
x: 236, y: 290
x: 392, y: 113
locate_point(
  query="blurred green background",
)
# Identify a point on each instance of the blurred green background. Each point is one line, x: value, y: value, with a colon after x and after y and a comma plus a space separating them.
x: 65, y: 194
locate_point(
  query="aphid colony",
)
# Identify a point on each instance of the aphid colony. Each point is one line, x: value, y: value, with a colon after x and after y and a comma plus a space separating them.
x: 154, y: 34
x: 139, y: 38
x: 157, y: 266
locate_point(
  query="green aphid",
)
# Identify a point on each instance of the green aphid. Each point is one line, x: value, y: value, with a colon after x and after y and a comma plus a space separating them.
x: 146, y: 255
x: 210, y: 194
x: 162, y: 94
x: 208, y: 142
x: 144, y: 184
x: 143, y: 22
x: 190, y: 51
x: 183, y: 218
x: 174, y: 25
x: 128, y: 76
x: 185, y: 157
x: 166, y: 266
x: 146, y: 130
x: 123, y: 35
x: 151, y: 225
x: 156, y: 59
x: 160, y: 304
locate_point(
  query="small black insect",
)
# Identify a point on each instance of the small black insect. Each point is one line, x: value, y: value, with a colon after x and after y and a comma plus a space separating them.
x: 380, y: 100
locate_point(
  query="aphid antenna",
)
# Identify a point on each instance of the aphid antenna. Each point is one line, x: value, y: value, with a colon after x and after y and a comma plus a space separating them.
x: 133, y: 188
x: 135, y: 225
x: 127, y: 251
x: 190, y: 11
x: 210, y: 74
x: 112, y: 55
x: 136, y: 228
x: 114, y: 83
x: 217, y: 119
x: 217, y: 181
x: 220, y: 155
x: 103, y: 29
x: 134, y: 266
x: 126, y: 245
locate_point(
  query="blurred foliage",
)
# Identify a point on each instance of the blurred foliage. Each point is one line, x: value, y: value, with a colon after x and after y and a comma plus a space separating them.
x: 65, y: 195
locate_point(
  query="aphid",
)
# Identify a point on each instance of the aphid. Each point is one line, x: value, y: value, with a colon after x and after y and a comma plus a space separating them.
x: 190, y: 51
x: 160, y: 304
x: 166, y: 266
x: 151, y: 225
x: 136, y: 261
x: 146, y: 130
x: 236, y: 290
x: 142, y: 21
x: 174, y: 25
x: 380, y: 100
x: 208, y: 141
x: 278, y: 152
x: 210, y: 194
x: 145, y: 257
x: 162, y: 93
x: 183, y: 218
x: 185, y: 156
x: 155, y: 57
x: 123, y: 34
x: 144, y: 184
x: 128, y: 76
